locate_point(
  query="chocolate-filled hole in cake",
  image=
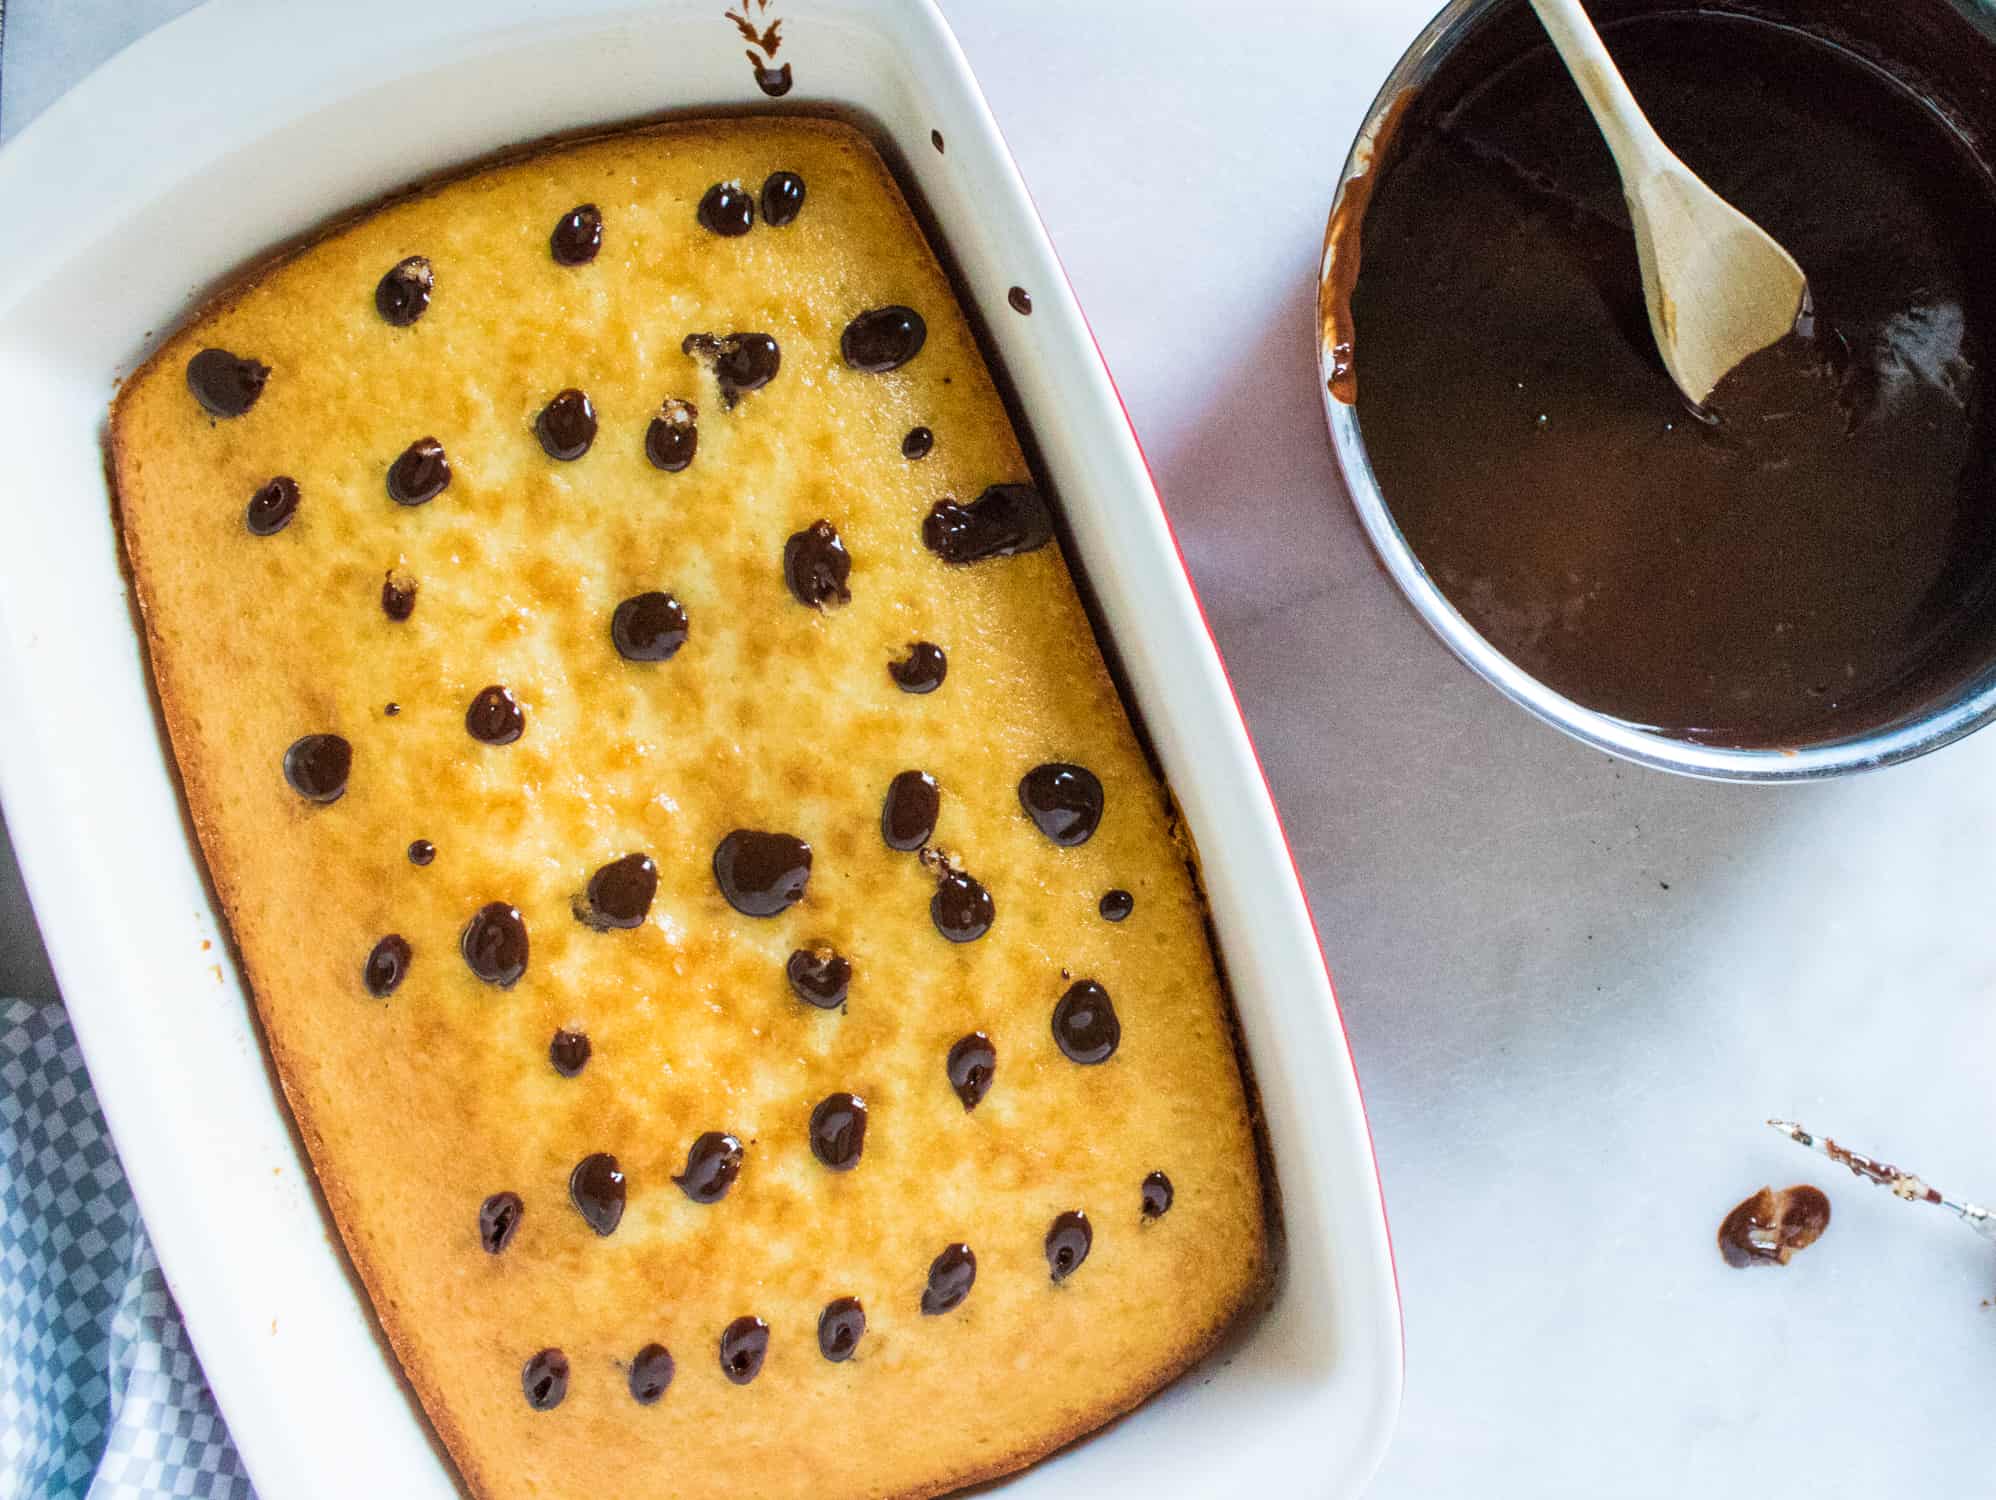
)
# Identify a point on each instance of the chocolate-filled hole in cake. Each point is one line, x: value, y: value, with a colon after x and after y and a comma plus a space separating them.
x: 1818, y: 559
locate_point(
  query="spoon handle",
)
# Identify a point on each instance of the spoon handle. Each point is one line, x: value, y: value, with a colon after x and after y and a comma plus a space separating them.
x: 1637, y: 149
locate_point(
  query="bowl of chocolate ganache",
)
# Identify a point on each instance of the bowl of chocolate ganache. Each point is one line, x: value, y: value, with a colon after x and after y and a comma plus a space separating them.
x: 1798, y: 579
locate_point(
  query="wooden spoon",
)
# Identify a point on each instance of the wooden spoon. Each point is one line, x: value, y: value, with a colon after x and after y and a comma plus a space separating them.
x: 1718, y: 287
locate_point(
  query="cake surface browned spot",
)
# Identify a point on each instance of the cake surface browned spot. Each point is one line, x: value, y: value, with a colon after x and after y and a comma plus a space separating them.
x: 654, y: 754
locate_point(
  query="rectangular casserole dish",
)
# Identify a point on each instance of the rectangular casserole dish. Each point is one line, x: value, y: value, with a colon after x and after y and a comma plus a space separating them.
x: 240, y: 127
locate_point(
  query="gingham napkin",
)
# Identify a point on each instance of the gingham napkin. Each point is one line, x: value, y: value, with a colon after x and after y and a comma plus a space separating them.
x: 100, y: 1394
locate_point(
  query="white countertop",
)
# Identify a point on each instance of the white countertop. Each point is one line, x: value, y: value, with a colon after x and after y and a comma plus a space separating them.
x: 1574, y: 987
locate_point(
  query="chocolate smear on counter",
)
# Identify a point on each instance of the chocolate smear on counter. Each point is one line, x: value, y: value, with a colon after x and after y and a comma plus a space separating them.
x: 317, y: 767
x: 908, y: 813
x: 499, y: 1220
x: 819, y: 976
x: 744, y: 1345
x: 224, y: 384
x: 270, y: 509
x: 597, y: 1189
x: 494, y: 944
x: 620, y: 893
x: 951, y: 1276
x: 545, y: 1379
x: 922, y: 670
x: 495, y: 717
x: 839, y: 1328
x: 782, y: 199
x: 1064, y: 801
x: 883, y: 339
x: 816, y: 566
x: 403, y: 293
x: 387, y: 966
x: 1084, y: 1023
x: 651, y: 1374
x: 674, y: 435
x: 568, y: 1052
x: 1067, y: 1244
x: 577, y: 236
x: 713, y: 1162
x: 1770, y: 1227
x: 762, y: 874
x: 972, y: 1064
x: 742, y: 362
x: 421, y: 473
x: 1005, y: 520
x: 566, y: 425
x: 838, y: 1131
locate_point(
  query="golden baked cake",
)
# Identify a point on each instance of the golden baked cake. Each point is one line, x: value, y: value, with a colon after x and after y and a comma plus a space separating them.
x: 732, y: 965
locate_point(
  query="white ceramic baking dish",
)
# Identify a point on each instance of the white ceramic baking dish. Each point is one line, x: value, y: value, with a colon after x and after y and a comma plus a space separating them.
x: 245, y: 124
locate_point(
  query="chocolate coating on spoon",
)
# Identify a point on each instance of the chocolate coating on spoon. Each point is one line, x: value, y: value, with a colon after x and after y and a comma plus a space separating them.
x: 761, y: 874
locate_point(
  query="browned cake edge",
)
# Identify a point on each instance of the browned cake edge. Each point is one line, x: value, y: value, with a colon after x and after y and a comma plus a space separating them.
x: 195, y: 788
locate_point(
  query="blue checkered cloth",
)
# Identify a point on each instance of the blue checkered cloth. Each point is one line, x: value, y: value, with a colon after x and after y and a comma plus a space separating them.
x: 101, y: 1397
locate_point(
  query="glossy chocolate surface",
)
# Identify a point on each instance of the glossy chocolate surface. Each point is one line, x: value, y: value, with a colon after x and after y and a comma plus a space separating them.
x: 713, y: 1162
x: 908, y: 812
x: 1812, y: 556
x: 1005, y: 520
x: 597, y: 1189
x: 762, y: 874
